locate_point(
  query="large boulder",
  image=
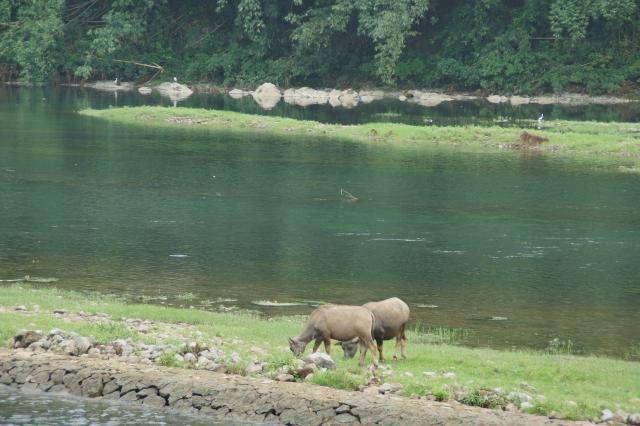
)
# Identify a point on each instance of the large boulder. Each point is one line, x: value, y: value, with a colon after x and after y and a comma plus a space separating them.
x: 111, y: 86
x: 305, y: 96
x: 267, y: 95
x: 24, y: 338
x: 238, y: 93
x: 321, y: 360
x: 349, y: 98
x: 176, y: 92
x: 267, y: 90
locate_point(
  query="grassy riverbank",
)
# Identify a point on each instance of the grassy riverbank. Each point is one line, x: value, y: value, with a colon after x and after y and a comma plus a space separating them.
x: 563, y: 385
x: 608, y: 145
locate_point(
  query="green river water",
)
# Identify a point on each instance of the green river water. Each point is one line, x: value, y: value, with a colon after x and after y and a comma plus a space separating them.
x: 548, y: 247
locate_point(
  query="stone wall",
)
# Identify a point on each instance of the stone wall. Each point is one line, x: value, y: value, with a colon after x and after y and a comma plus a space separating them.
x: 234, y: 397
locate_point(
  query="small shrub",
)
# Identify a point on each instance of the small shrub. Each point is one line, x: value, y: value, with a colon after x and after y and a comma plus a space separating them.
x: 558, y: 346
x: 168, y: 359
x: 185, y: 296
x: 239, y: 368
x: 484, y: 398
x: 338, y: 379
x: 281, y: 360
x: 441, y: 395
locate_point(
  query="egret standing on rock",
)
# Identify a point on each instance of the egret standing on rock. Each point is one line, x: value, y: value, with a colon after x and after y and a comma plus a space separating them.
x: 175, y: 79
x: 116, y: 82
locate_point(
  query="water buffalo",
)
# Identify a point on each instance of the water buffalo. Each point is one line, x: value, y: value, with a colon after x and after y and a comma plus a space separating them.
x: 338, y: 322
x: 391, y: 316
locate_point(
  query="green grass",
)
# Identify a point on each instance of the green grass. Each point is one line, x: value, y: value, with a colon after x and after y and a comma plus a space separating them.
x: 607, y: 145
x: 575, y: 387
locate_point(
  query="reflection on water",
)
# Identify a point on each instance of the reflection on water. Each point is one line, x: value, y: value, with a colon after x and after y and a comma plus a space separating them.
x: 544, y: 243
x: 38, y: 408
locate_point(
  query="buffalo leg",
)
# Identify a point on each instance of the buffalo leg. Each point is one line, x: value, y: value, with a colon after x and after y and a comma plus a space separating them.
x: 316, y: 345
x: 327, y: 346
x: 379, y: 342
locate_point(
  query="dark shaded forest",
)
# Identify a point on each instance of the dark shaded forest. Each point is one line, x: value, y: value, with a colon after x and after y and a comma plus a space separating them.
x: 510, y: 46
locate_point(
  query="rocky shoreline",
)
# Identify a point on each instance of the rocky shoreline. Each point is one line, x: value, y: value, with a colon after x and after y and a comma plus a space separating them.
x: 236, y: 398
x: 268, y: 95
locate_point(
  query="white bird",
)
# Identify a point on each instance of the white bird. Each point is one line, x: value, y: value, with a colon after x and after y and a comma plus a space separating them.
x: 115, y: 81
x: 175, y: 79
x: 541, y: 118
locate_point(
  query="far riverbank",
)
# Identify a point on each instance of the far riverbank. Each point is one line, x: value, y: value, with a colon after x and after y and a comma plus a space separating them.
x: 603, y: 145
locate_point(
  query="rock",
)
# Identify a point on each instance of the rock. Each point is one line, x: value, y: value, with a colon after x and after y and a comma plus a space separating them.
x: 92, y: 387
x: 571, y: 403
x: 497, y: 99
x: 94, y: 353
x: 235, y: 357
x: 122, y: 347
x: 179, y: 358
x: 54, y: 332
x: 309, y: 378
x: 321, y: 360
x: 267, y: 89
x: 620, y: 417
x: 511, y: 408
x: 82, y: 345
x: 519, y: 100
x: 144, y: 90
x: 343, y: 408
x: 25, y: 338
x: 449, y: 375
x: 606, y: 415
x: 110, y: 387
x: 430, y: 374
x: 190, y: 358
x: 519, y: 397
x: 334, y: 98
x: 385, y: 388
x: 285, y: 378
x: 59, y: 311
x: 526, y: 405
x: 154, y: 401
x: 69, y: 347
x: 633, y: 419
x: 430, y: 99
x: 237, y: 93
x: 210, y: 354
x: 345, y: 418
x: 402, y: 98
x: 367, y: 96
x: 206, y: 364
x: 20, y: 308
x: 254, y: 368
x: 349, y: 98
x: 305, y: 371
x: 267, y: 95
x: 111, y: 86
x: 176, y: 92
x: 371, y: 390
x: 389, y: 388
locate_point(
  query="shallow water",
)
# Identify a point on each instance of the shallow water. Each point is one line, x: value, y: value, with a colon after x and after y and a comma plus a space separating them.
x: 37, y: 408
x: 187, y: 219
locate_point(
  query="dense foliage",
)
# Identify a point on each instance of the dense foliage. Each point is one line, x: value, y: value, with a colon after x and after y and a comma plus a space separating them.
x: 494, y: 45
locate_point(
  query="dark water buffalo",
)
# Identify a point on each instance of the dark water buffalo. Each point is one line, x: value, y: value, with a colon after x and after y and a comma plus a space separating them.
x: 391, y: 317
x: 338, y: 322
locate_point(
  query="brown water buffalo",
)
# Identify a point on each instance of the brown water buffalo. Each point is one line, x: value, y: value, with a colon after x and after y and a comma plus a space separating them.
x: 338, y: 322
x: 391, y: 317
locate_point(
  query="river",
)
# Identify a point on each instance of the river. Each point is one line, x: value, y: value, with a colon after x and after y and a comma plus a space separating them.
x: 515, y: 250
x: 38, y: 408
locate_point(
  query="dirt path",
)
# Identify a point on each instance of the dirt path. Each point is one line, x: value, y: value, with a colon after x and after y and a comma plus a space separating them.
x: 236, y: 397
